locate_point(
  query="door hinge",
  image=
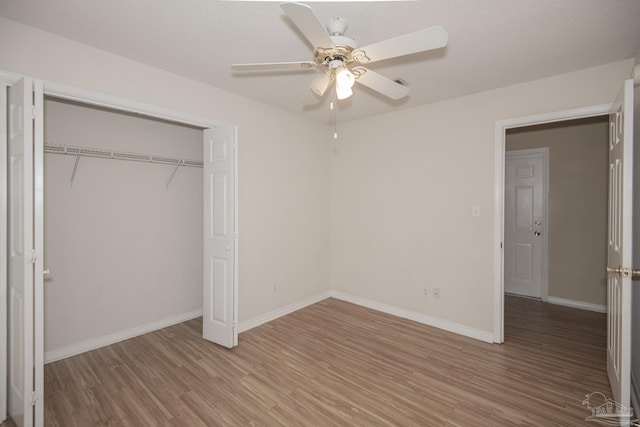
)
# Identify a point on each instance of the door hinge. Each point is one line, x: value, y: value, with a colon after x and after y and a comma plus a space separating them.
x: 34, y: 256
x: 34, y: 112
x: 35, y: 397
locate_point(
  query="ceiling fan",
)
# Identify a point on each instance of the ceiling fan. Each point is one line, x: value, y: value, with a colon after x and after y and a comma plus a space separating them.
x: 340, y: 59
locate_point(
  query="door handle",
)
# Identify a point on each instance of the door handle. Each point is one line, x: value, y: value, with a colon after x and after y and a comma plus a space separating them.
x: 536, y: 233
x: 614, y: 270
x: 624, y: 272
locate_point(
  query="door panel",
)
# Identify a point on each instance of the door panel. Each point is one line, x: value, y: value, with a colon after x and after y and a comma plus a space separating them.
x: 619, y: 245
x: 20, y: 199
x: 220, y: 240
x: 525, y: 219
x: 38, y: 244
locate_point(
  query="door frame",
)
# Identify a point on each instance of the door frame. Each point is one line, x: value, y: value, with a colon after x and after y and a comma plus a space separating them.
x: 98, y: 99
x: 544, y: 267
x: 4, y: 345
x: 501, y: 127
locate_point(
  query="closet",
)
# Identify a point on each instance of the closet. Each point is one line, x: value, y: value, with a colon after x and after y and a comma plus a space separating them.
x: 105, y: 197
x: 123, y: 233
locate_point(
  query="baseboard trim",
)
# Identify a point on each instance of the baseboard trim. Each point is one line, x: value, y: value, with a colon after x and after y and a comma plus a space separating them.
x: 282, y: 311
x: 425, y: 319
x: 94, y: 343
x: 577, y: 304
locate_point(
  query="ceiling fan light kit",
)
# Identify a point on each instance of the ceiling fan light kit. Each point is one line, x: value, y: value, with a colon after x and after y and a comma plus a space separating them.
x: 340, y: 59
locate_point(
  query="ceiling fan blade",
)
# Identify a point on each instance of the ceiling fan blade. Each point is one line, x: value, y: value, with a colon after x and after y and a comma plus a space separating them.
x: 320, y: 84
x: 427, y: 39
x: 307, y: 22
x: 261, y: 66
x: 381, y: 84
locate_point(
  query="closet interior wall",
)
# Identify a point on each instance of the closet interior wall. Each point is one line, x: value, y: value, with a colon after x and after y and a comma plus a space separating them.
x: 124, y: 250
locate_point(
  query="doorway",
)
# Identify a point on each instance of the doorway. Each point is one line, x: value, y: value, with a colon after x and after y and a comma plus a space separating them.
x: 500, y: 149
x: 576, y: 226
x: 122, y: 233
x: 219, y: 148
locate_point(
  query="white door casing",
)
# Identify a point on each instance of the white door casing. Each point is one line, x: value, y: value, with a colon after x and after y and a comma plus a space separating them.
x: 619, y: 254
x: 20, y: 220
x: 525, y: 222
x: 220, y: 236
x: 3, y: 252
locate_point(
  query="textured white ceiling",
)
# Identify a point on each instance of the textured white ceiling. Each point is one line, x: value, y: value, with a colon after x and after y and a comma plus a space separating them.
x: 492, y: 43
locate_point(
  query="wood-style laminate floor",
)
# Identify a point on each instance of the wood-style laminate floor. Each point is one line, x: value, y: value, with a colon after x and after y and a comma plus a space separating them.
x: 334, y: 363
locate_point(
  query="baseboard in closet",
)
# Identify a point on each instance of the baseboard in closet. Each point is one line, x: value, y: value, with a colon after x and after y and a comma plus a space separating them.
x: 92, y: 344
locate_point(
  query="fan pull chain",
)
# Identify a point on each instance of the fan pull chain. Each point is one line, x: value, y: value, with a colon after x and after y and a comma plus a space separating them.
x: 335, y: 120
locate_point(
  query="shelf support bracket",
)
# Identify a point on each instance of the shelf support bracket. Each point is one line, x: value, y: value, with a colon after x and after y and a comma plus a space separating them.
x: 75, y: 168
x: 180, y: 163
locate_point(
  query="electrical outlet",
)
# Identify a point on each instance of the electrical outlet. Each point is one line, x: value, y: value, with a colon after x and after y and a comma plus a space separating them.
x: 436, y: 293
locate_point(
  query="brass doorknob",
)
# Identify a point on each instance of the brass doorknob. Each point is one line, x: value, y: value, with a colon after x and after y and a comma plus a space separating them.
x: 624, y: 272
x: 614, y: 270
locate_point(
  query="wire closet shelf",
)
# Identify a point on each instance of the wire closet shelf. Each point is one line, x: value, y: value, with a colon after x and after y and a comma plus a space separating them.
x: 105, y: 153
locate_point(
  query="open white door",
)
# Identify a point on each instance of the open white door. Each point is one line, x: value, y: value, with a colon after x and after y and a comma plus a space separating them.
x: 220, y: 236
x: 25, y: 253
x: 619, y: 245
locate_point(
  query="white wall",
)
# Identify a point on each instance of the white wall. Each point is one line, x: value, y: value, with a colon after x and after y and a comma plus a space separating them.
x: 402, y: 188
x: 123, y: 249
x: 283, y: 160
x: 578, y: 190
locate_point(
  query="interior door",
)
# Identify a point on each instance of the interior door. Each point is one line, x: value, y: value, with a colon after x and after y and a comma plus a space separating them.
x: 20, y: 245
x: 619, y: 244
x: 525, y: 221
x: 220, y: 236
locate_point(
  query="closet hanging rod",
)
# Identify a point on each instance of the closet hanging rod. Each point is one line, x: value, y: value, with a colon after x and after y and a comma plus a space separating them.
x: 105, y: 153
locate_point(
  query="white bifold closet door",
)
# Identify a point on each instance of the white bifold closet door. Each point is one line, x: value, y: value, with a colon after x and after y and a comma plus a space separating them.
x: 220, y: 299
x: 25, y: 238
